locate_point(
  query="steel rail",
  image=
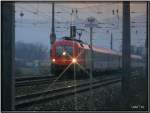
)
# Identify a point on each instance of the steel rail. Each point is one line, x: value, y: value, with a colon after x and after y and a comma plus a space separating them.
x: 32, y: 78
x: 26, y: 81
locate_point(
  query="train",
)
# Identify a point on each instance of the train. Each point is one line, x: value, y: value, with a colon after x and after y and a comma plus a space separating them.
x: 76, y: 54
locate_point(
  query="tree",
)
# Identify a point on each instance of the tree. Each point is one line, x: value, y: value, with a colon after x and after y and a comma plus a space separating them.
x: 31, y: 51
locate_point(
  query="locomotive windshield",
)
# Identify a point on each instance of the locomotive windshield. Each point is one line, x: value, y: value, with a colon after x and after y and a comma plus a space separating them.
x: 61, y: 49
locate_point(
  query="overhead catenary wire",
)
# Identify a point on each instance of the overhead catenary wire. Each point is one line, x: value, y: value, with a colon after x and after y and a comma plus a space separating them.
x: 66, y: 9
x: 32, y: 12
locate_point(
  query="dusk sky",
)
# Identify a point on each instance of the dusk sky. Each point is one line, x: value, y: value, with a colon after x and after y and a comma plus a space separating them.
x: 35, y: 24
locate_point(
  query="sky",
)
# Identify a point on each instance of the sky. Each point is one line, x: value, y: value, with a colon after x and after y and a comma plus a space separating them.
x: 34, y: 26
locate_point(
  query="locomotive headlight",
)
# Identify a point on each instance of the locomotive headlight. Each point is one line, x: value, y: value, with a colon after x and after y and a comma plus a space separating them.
x: 64, y: 53
x: 74, y: 60
x: 53, y: 60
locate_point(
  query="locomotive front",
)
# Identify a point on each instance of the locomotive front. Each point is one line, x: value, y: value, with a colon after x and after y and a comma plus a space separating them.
x: 63, y: 54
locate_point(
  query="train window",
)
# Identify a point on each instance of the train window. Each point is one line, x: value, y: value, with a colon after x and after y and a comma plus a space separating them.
x: 68, y: 49
x: 60, y: 49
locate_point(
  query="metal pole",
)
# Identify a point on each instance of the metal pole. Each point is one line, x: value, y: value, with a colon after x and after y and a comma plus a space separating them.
x: 146, y: 41
x: 53, y: 35
x: 53, y: 16
x: 8, y: 47
x: 73, y: 26
x: 91, y: 69
x: 118, y: 17
x: 71, y: 20
x: 126, y: 53
x: 148, y: 37
x: 73, y: 31
x: 111, y: 42
x: 75, y: 88
x: 91, y: 51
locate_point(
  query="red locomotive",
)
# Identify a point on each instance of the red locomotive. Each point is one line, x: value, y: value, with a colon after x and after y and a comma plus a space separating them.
x: 69, y: 51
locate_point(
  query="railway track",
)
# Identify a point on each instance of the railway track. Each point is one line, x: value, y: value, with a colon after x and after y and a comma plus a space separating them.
x: 35, y: 80
x: 29, y: 99
x: 26, y: 81
x: 38, y: 97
